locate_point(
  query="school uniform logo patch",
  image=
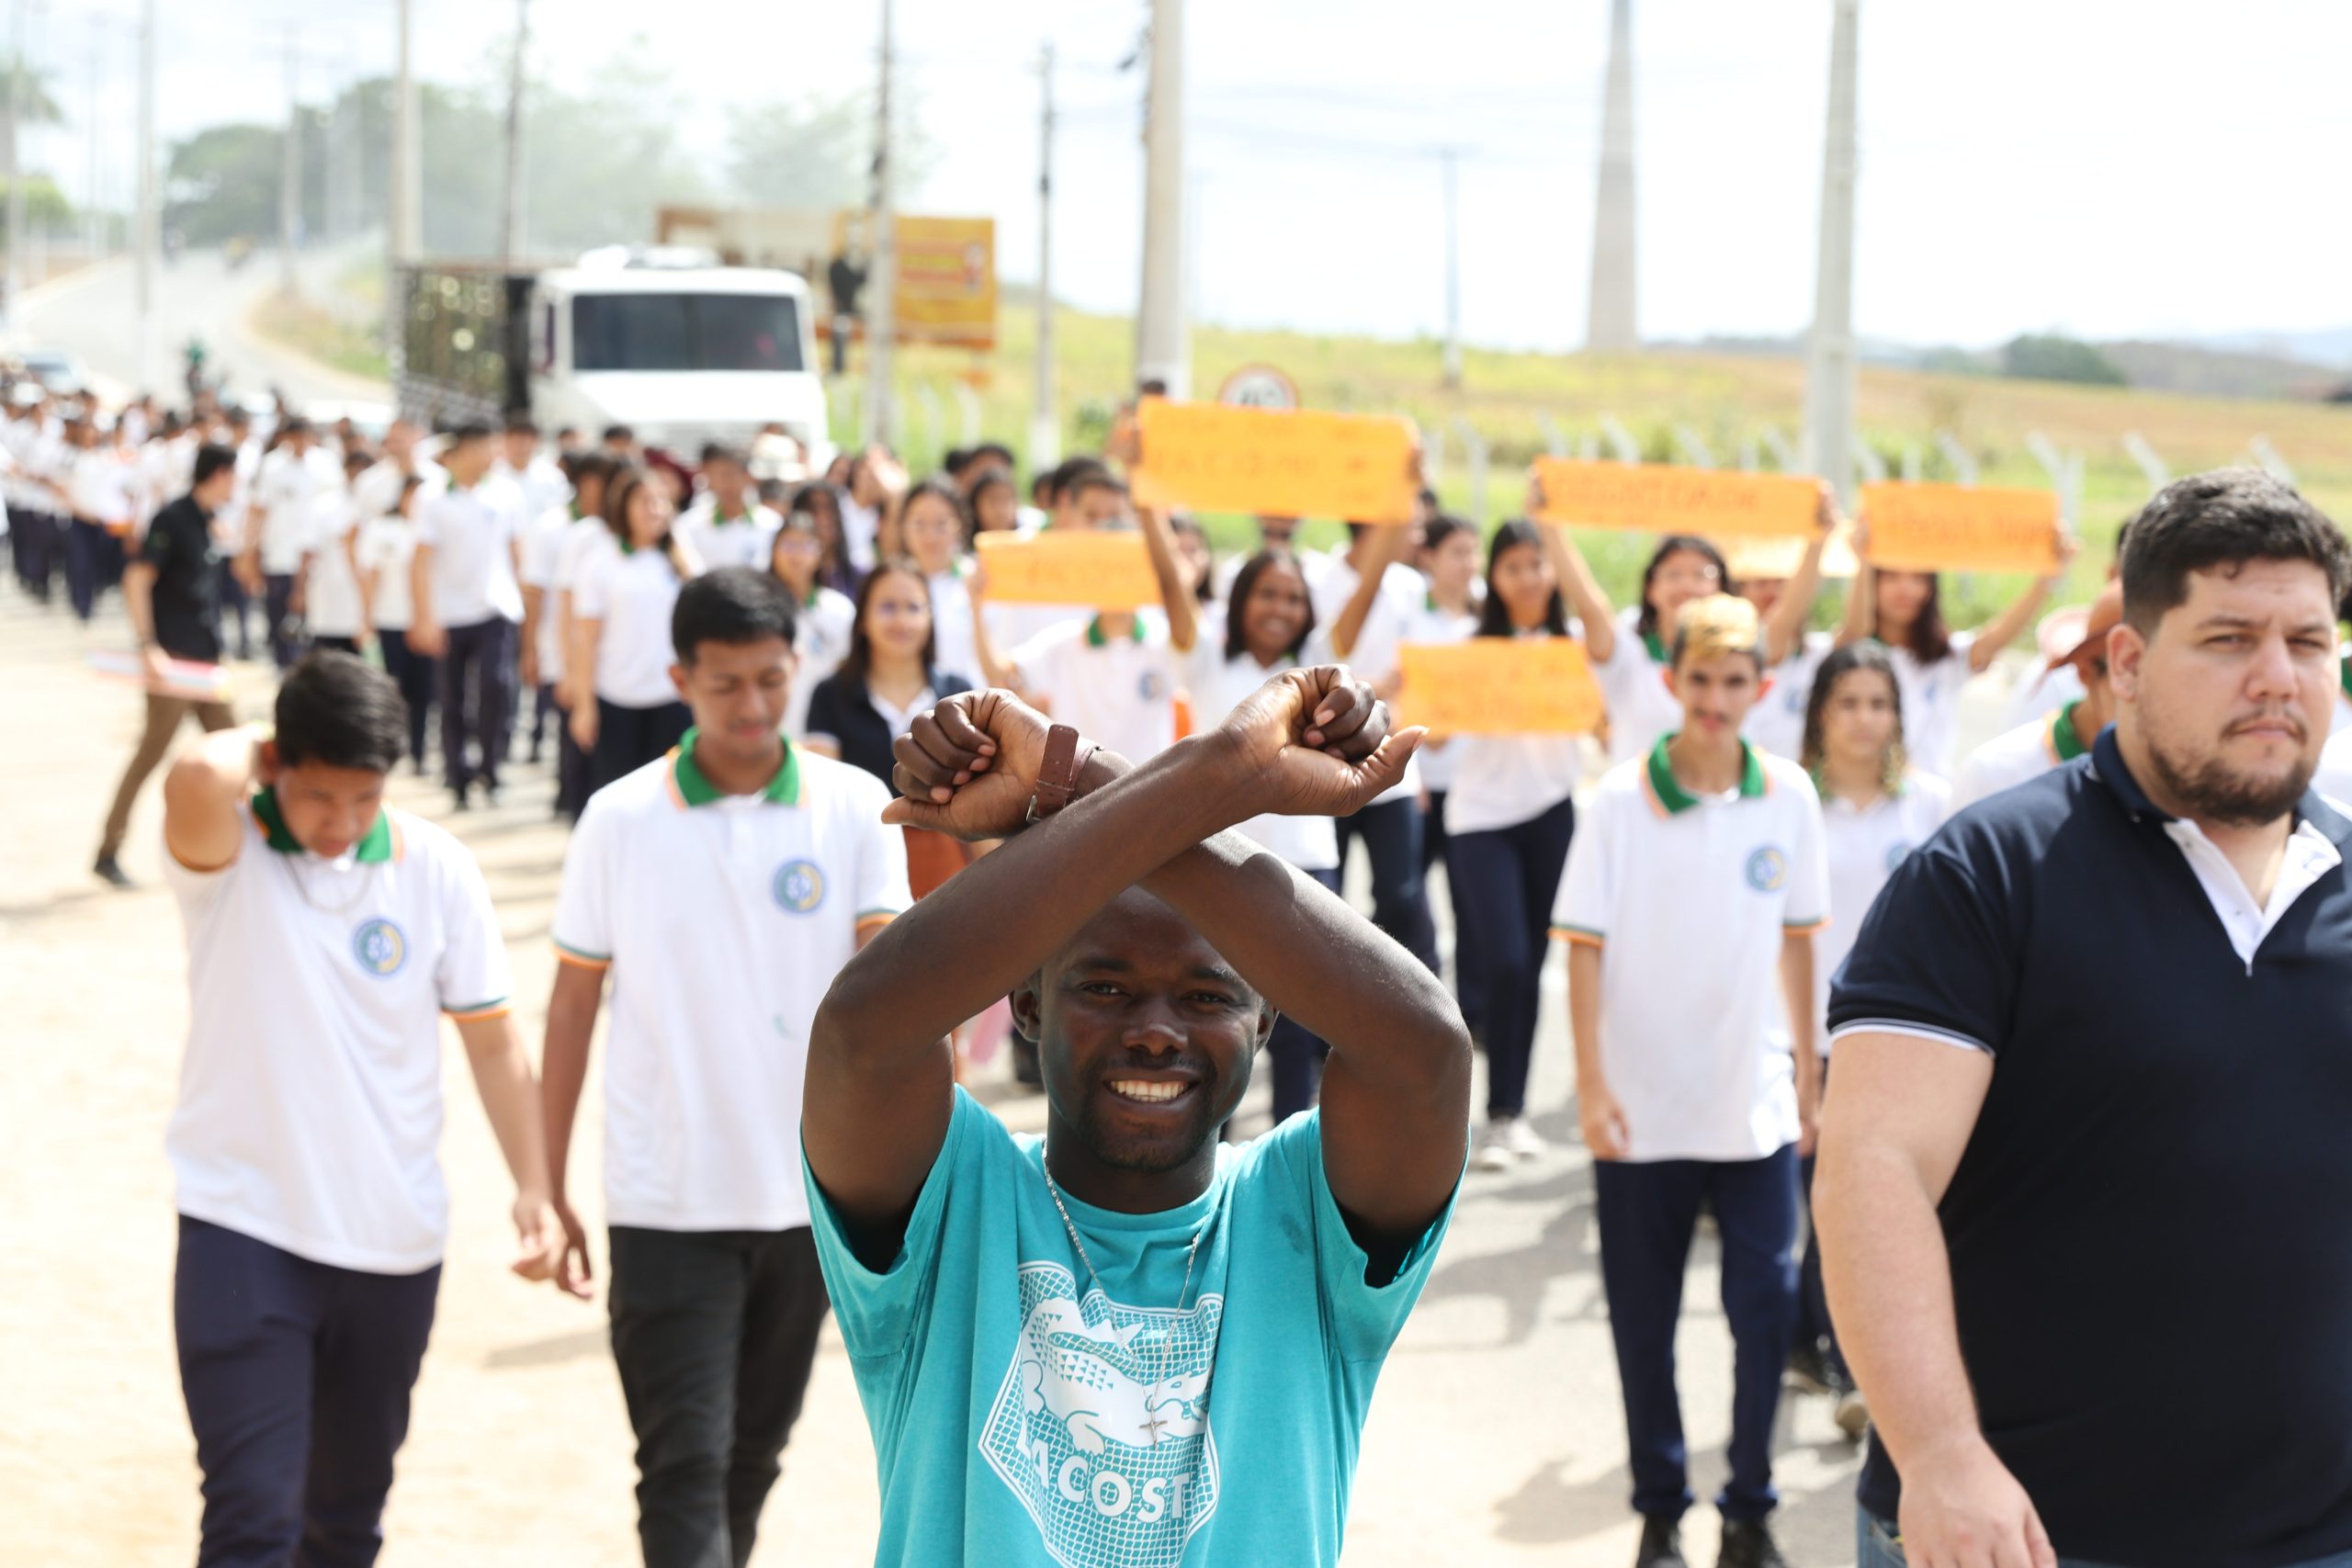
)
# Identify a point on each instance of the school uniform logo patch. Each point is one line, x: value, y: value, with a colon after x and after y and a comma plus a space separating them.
x: 1766, y: 869
x: 380, y: 947
x: 1151, y: 688
x: 799, y: 886
x: 1102, y: 1426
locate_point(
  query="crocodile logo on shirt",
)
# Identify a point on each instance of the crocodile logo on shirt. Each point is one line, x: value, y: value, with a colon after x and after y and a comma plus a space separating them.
x: 1766, y: 869
x: 1102, y: 1426
x: 800, y: 886
x: 379, y: 947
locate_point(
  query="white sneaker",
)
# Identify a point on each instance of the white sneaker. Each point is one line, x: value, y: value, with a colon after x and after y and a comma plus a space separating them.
x: 1493, y: 1147
x: 1521, y: 1139
x: 1853, y: 1416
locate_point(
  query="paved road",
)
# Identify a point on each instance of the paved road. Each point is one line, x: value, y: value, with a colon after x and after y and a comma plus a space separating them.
x: 1496, y: 1438
x: 91, y: 312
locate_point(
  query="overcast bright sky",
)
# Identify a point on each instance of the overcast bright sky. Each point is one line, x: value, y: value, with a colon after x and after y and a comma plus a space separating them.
x: 2166, y: 167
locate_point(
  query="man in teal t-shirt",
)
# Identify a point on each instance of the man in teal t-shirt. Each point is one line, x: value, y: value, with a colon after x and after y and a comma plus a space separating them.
x: 1128, y: 1344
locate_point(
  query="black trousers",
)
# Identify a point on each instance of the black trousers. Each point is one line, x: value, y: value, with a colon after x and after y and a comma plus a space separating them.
x: 477, y: 697
x: 570, y: 767
x: 297, y: 1377
x: 628, y: 739
x: 1296, y: 1051
x: 1391, y: 832
x: 32, y: 541
x: 233, y: 599
x: 278, y: 602
x: 714, y: 1333
x: 86, y: 545
x: 415, y: 673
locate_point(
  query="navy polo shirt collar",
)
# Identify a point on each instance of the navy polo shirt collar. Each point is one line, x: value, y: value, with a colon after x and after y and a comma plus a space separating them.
x: 2107, y: 766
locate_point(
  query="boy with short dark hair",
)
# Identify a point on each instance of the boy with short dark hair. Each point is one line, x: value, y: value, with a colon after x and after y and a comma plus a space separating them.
x: 327, y: 932
x: 1697, y: 874
x: 723, y: 888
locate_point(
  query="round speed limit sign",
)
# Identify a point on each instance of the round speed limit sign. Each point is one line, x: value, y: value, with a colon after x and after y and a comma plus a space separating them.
x: 1258, y: 387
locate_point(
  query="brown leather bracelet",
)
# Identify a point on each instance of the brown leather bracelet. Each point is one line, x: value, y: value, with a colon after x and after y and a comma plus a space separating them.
x: 1056, y: 775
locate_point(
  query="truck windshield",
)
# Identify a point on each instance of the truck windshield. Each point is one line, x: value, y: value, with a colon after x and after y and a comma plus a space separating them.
x: 686, y: 332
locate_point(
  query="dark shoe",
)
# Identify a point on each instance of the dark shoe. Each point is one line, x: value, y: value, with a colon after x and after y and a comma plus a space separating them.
x: 1814, y: 1370
x: 1661, y: 1542
x: 1747, y: 1543
x: 462, y: 804
x: 110, y: 870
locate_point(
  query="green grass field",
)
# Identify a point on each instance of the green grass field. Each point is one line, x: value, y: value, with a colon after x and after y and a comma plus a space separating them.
x: 1507, y: 396
x: 1727, y: 398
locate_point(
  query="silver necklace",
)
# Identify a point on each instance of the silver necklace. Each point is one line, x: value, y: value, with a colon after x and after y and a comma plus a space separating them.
x: 361, y: 884
x: 1152, y: 1423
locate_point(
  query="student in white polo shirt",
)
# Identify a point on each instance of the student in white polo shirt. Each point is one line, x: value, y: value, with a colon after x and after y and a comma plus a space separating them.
x: 1630, y: 647
x: 727, y: 525
x: 1904, y: 610
x: 822, y: 618
x: 2053, y: 739
x: 936, y: 528
x: 722, y: 887
x: 1697, y: 879
x: 466, y: 576
x: 1364, y: 592
x: 1875, y: 809
x: 287, y: 485
x: 1269, y: 626
x: 1113, y: 677
x: 551, y: 559
x: 625, y: 709
x: 1510, y: 816
x: 327, y: 933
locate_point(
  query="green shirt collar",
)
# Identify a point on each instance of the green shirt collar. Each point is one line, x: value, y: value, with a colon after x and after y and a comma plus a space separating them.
x: 1095, y: 638
x: 374, y: 846
x: 695, y: 787
x: 2063, y: 738
x: 1675, y: 798
x: 1657, y: 645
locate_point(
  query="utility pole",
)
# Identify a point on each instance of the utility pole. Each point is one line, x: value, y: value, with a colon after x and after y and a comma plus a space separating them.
x: 1163, y: 347
x: 882, y: 267
x: 1045, y: 417
x: 1831, y: 374
x: 289, y: 168
x: 404, y: 218
x: 15, y: 164
x: 513, y: 228
x: 1450, y: 159
x: 1610, y: 322
x: 147, y: 233
x: 92, y: 240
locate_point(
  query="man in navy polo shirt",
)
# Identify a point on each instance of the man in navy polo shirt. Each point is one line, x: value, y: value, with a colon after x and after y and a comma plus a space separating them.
x: 2084, y: 1173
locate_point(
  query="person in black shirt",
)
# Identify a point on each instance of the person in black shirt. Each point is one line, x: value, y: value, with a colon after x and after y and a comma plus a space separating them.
x: 2084, y: 1167
x: 172, y: 593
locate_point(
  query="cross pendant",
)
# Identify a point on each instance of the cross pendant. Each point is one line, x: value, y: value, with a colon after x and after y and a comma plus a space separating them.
x: 1152, y: 1424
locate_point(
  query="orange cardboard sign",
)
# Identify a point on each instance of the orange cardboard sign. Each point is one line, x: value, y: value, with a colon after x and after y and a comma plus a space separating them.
x: 1497, y: 685
x: 1275, y: 462
x: 1104, y: 570
x: 1714, y: 503
x: 1923, y: 527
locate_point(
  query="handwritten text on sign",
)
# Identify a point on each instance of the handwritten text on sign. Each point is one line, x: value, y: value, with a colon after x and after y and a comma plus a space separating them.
x: 1717, y: 504
x: 1277, y: 463
x: 1107, y: 570
x: 1494, y: 685
x: 1923, y: 527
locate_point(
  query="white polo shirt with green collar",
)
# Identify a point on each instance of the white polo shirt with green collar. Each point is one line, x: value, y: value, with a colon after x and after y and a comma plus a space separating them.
x: 310, y: 1100
x: 2014, y: 755
x: 1118, y: 691
x: 723, y: 920
x: 1688, y: 898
